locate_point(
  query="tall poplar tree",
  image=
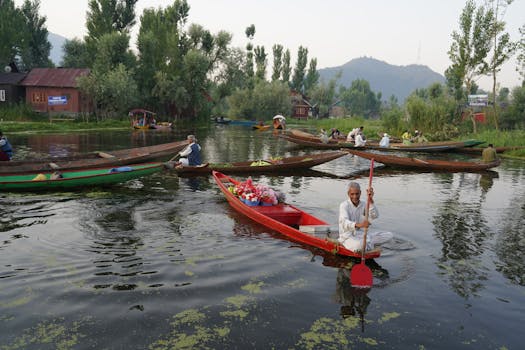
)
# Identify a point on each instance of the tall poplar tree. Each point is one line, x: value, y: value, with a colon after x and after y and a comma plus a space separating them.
x: 37, y: 47
x: 299, y: 70
x: 277, y: 61
x: 287, y: 68
x: 502, y: 47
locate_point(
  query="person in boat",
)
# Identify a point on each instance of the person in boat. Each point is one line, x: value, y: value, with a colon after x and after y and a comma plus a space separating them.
x: 406, y: 137
x: 323, y: 136
x: 360, y: 140
x: 385, y: 141
x: 352, y: 220
x: 191, y: 155
x: 335, y: 134
x: 419, y: 138
x: 352, y: 134
x: 489, y: 154
x: 6, y: 151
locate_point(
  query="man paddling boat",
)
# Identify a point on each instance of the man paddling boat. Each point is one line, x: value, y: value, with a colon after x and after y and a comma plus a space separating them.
x: 352, y: 213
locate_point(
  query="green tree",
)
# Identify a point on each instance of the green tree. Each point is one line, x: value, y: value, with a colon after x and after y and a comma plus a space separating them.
x: 250, y: 33
x: 359, y: 99
x: 107, y: 16
x: 229, y: 77
x: 469, y: 49
x: 264, y: 101
x: 312, y: 76
x: 37, y: 48
x: 75, y: 54
x: 514, y: 115
x: 260, y: 62
x: 520, y: 68
x: 432, y: 110
x: 323, y: 95
x: 113, y: 92
x: 13, y: 35
x: 287, y: 68
x: 502, y: 47
x: 277, y: 61
x: 299, y: 69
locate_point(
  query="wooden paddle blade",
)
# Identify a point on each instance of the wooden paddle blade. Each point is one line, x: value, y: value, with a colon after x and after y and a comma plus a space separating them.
x: 361, y: 276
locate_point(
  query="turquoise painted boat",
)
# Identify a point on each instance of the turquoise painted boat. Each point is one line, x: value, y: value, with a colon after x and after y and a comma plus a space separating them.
x: 79, y: 178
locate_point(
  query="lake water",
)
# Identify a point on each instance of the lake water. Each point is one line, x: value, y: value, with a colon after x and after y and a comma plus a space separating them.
x: 164, y: 262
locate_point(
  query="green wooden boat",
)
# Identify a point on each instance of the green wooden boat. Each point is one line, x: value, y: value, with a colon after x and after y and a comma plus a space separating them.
x: 79, y: 178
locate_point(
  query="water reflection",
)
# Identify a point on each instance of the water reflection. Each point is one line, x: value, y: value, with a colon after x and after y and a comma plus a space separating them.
x: 463, y: 231
x: 510, y: 244
x: 354, y: 301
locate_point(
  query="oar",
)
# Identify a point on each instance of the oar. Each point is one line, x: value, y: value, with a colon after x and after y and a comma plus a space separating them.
x: 361, y: 275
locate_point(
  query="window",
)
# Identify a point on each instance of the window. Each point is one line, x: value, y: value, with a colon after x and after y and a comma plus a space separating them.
x: 38, y: 97
x: 2, y: 95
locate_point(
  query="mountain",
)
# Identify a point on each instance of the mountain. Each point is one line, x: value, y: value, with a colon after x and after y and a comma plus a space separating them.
x: 56, y: 41
x: 388, y: 79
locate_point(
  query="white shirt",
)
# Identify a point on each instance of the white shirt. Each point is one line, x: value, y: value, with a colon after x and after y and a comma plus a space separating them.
x: 352, y: 134
x: 359, y: 142
x: 349, y: 215
x: 185, y: 152
x: 385, y: 142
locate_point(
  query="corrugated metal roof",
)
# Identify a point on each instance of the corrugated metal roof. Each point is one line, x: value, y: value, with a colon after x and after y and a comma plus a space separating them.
x: 54, y: 77
x: 11, y: 78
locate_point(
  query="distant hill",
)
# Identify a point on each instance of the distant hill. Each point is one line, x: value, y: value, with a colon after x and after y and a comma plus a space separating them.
x: 388, y: 79
x: 56, y: 41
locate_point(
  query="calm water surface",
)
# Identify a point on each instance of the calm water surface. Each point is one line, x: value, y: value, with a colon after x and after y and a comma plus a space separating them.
x: 164, y: 262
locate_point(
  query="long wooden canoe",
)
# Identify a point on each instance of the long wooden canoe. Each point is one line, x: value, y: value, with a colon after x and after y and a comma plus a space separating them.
x: 94, y: 159
x: 290, y: 221
x: 425, y: 164
x: 265, y: 166
x: 445, y: 146
x: 77, y: 178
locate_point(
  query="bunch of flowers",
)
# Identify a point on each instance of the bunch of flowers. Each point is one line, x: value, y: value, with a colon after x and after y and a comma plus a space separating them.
x: 255, y: 193
x: 267, y: 194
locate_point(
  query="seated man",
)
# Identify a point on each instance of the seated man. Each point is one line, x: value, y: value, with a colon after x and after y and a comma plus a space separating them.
x: 191, y: 155
x: 352, y: 219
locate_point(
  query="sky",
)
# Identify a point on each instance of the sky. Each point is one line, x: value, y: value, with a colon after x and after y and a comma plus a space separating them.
x: 399, y: 32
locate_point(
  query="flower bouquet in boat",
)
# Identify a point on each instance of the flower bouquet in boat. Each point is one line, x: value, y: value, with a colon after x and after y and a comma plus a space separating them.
x: 256, y: 194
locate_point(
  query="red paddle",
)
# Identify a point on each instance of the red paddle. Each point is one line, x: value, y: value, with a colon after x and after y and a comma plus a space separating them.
x: 361, y: 275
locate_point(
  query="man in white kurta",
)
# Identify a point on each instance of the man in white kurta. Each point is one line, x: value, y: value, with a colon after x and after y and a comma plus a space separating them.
x: 352, y: 213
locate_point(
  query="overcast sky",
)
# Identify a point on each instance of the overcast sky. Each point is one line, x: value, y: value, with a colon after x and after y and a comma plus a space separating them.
x: 399, y: 32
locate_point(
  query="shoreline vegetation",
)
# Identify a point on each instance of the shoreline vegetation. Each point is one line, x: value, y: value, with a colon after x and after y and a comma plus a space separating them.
x: 373, y: 128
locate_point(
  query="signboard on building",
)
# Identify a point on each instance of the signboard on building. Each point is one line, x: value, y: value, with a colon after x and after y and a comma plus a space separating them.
x: 478, y: 100
x: 56, y: 100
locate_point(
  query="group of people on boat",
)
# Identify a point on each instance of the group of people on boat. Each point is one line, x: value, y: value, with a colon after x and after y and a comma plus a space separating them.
x: 408, y: 138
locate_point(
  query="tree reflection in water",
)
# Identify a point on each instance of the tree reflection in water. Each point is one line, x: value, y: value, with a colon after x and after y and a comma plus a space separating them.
x: 463, y: 231
x: 510, y: 245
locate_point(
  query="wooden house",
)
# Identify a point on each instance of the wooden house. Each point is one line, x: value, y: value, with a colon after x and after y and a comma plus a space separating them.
x: 55, y: 91
x: 301, y: 108
x: 10, y: 90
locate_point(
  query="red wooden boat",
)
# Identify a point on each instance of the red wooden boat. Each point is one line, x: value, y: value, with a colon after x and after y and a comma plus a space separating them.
x: 290, y: 221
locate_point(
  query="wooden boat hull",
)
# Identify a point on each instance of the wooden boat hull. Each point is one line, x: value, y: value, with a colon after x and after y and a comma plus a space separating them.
x: 446, y: 146
x: 425, y: 164
x: 94, y: 160
x: 282, y: 165
x: 286, y: 219
x: 261, y: 127
x: 78, y: 178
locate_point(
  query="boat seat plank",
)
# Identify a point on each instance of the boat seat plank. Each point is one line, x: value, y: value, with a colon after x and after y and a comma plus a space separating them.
x: 105, y: 155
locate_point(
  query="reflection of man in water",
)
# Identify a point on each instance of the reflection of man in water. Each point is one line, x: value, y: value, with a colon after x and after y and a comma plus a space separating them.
x: 354, y: 301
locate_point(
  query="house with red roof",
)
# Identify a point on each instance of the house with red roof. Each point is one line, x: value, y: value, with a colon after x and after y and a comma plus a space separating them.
x: 55, y: 91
